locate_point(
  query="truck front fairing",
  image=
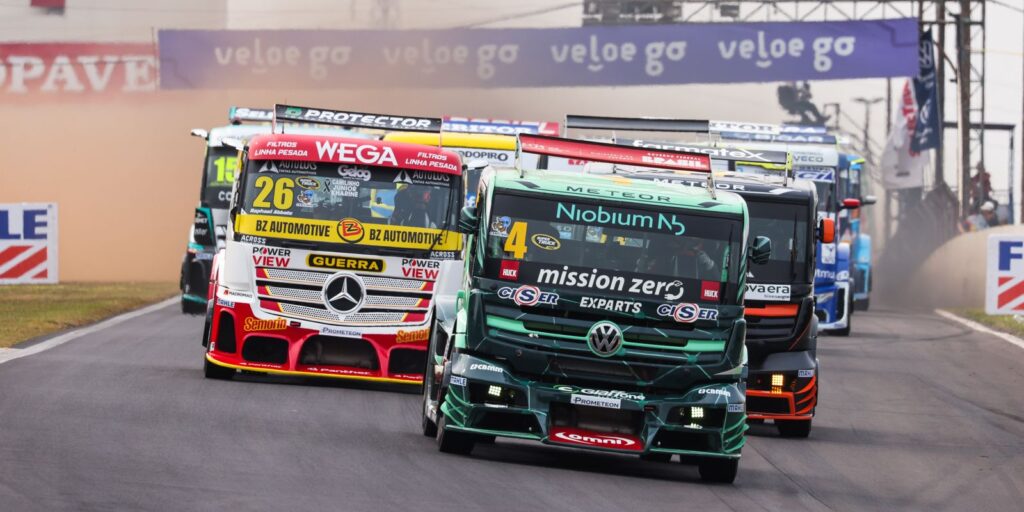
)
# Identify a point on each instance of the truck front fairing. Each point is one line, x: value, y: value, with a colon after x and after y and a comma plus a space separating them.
x: 334, y: 257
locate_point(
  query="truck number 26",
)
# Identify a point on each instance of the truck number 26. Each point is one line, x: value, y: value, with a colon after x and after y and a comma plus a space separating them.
x: 282, y: 189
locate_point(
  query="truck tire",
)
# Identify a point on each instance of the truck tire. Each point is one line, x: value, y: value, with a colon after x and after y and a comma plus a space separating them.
x: 845, y: 331
x: 216, y: 372
x: 448, y: 441
x: 794, y: 429
x: 718, y: 470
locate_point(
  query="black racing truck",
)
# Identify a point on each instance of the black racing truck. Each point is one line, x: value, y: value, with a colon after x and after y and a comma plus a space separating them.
x: 782, y: 383
x: 597, y: 312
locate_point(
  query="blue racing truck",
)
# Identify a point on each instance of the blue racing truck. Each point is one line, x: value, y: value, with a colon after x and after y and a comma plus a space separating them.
x: 815, y: 158
x: 851, y: 186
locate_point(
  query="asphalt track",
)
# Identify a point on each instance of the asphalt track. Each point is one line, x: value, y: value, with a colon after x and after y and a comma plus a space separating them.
x: 916, y: 413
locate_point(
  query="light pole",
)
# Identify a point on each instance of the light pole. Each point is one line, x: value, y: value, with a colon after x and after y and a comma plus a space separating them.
x: 868, y: 103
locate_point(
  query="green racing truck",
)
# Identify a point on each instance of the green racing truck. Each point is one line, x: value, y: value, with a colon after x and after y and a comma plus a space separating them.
x: 597, y: 312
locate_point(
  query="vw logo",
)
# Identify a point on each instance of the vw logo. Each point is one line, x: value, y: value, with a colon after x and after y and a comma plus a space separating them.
x: 344, y: 292
x: 605, y: 339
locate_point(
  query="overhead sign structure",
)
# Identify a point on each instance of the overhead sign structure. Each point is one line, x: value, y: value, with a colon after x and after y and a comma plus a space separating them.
x: 1004, y: 276
x: 543, y: 57
x: 28, y: 243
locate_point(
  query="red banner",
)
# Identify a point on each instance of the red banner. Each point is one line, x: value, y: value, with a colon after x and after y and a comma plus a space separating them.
x: 77, y: 68
x: 613, y: 153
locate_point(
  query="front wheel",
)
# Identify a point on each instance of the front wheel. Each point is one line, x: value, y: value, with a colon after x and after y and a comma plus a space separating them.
x: 216, y: 372
x: 794, y: 429
x: 718, y: 470
x: 449, y: 441
x: 426, y: 424
x: 845, y: 331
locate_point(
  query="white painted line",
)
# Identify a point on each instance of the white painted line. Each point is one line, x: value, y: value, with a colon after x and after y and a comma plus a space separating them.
x: 11, y: 354
x: 1009, y: 338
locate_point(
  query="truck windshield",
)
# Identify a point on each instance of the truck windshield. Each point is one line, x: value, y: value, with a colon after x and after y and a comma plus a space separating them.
x: 824, y: 179
x: 363, y: 208
x: 611, y: 248
x: 219, y: 176
x: 786, y: 225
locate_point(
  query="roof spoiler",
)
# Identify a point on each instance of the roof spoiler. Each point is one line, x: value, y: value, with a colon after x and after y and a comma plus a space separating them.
x: 238, y: 115
x: 499, y: 126
x: 592, y: 151
x: 637, y: 124
x: 355, y: 119
x: 766, y: 132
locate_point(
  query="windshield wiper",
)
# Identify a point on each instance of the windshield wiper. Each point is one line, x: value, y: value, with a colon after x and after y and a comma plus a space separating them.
x: 447, y: 220
x: 792, y: 248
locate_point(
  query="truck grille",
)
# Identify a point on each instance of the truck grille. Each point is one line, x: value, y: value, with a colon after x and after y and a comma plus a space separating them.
x: 298, y: 294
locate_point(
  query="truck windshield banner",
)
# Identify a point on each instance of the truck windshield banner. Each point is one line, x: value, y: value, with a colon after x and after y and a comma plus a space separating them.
x: 549, y: 57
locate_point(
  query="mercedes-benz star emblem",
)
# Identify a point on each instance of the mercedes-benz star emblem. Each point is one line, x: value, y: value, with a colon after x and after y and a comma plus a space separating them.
x: 605, y: 339
x: 344, y: 293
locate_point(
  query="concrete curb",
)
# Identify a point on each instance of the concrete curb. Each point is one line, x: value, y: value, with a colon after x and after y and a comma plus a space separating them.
x: 10, y: 354
x: 1009, y: 338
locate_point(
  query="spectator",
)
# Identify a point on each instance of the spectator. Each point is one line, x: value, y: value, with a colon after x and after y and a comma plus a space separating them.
x: 981, y: 189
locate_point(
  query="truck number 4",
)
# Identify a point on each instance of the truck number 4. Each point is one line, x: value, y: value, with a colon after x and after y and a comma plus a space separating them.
x: 516, y: 241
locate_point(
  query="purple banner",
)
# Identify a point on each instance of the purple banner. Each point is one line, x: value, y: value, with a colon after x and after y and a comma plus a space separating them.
x: 585, y: 56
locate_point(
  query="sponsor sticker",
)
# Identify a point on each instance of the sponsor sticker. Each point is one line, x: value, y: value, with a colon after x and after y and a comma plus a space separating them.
x: 767, y: 292
x: 600, y: 392
x: 485, y: 367
x: 805, y: 373
x: 308, y: 183
x: 578, y: 437
x: 256, y: 324
x: 709, y: 290
x: 599, y: 279
x: 616, y: 217
x: 351, y: 230
x: 348, y: 230
x: 736, y: 407
x: 546, y: 242
x: 353, y: 173
x: 596, y: 401
x: 687, y: 312
x: 335, y: 331
x: 500, y: 226
x: 224, y: 302
x: 457, y: 381
x: 621, y: 306
x: 412, y: 336
x: 527, y: 295
x: 421, y: 269
x: 509, y: 270
x: 714, y: 391
x: 271, y: 256
x: 345, y: 263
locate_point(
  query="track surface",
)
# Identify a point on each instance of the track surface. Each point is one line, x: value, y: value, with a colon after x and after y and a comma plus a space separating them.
x: 916, y: 413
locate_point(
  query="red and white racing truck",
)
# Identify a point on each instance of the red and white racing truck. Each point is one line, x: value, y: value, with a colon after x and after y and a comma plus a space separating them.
x: 335, y: 249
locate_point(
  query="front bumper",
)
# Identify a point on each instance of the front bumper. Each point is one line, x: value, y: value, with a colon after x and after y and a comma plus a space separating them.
x: 795, y: 398
x: 833, y: 306
x: 241, y: 340
x: 483, y: 397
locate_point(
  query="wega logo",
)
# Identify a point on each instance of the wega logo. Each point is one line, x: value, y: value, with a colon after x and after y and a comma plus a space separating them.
x: 346, y: 152
x: 255, y: 324
x: 595, y: 439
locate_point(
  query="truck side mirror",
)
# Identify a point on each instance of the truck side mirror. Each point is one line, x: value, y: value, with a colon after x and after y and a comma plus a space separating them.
x: 761, y: 251
x: 866, y: 200
x: 827, y: 231
x: 468, y: 221
x: 202, y: 228
x: 851, y: 203
x: 199, y: 132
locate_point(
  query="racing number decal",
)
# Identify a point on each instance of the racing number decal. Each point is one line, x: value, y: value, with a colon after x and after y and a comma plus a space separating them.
x: 226, y: 167
x: 282, y: 189
x: 516, y: 241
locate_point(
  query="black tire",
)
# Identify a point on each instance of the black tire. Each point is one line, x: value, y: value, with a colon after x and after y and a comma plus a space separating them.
x: 448, y: 441
x: 794, y: 428
x: 216, y: 372
x: 208, y: 327
x: 845, y: 331
x: 657, y: 457
x: 721, y: 471
x: 862, y: 305
x: 195, y: 275
x: 428, y: 426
